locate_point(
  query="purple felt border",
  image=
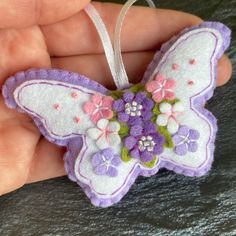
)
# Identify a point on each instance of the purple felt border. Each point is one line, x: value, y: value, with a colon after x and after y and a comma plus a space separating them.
x: 75, y: 144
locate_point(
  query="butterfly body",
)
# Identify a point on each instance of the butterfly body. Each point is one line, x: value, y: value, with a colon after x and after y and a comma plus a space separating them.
x: 112, y: 137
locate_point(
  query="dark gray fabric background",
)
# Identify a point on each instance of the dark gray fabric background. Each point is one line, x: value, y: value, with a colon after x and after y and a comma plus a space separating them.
x: 165, y: 204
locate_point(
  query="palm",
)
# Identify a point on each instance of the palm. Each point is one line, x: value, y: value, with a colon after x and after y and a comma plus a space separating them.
x: 72, y: 44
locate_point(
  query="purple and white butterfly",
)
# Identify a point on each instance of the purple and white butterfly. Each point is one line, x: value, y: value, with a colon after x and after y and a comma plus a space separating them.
x: 112, y: 137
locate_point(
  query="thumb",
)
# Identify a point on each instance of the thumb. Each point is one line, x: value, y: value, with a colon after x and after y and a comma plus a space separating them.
x: 24, y: 13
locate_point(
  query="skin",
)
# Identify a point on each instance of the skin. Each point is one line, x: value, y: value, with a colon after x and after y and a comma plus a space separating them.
x: 32, y: 35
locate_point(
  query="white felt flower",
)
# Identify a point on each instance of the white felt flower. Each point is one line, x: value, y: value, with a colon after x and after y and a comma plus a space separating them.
x: 168, y: 116
x: 105, y: 134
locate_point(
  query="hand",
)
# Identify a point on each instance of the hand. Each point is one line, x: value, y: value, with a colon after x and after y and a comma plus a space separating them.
x: 33, y: 35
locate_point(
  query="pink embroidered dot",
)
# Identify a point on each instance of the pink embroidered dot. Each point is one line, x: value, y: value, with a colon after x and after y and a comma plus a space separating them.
x: 192, y: 61
x: 175, y: 66
x: 56, y: 106
x: 74, y: 95
x: 77, y: 120
x: 190, y: 82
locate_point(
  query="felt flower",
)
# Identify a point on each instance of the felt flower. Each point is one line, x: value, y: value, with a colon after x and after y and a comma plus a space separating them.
x: 133, y: 108
x: 161, y: 88
x: 144, y: 141
x: 105, y: 134
x: 99, y: 107
x: 185, y: 140
x: 105, y: 162
x: 168, y: 116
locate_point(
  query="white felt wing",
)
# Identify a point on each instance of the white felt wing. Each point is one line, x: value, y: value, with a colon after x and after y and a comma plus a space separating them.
x: 55, y: 99
x: 191, y: 61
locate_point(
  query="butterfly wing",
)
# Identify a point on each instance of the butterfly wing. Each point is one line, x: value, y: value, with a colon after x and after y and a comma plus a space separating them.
x: 56, y: 99
x: 191, y: 61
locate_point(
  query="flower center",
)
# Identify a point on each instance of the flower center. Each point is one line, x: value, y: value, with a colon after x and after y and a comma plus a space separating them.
x: 133, y: 109
x: 106, y: 162
x: 185, y: 139
x: 146, y: 143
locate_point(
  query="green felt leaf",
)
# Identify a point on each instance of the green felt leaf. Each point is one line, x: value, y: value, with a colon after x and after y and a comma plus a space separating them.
x: 137, y: 88
x: 163, y: 130
x: 151, y: 163
x: 116, y: 94
x: 170, y: 101
x: 124, y: 130
x: 156, y: 109
x: 125, y: 155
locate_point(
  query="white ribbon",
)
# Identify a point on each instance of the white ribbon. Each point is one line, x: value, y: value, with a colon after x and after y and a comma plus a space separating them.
x: 114, y: 58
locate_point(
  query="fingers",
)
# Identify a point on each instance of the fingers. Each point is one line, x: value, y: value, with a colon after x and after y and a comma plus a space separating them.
x: 20, y: 50
x: 224, y: 70
x: 24, y: 13
x: 96, y: 68
x: 47, y: 162
x: 144, y: 29
x: 18, y: 140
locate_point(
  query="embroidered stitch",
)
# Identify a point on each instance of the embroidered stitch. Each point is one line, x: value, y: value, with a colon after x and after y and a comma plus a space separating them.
x: 161, y: 88
x: 105, y: 134
x: 175, y: 66
x: 74, y: 95
x: 99, y: 107
x: 56, y: 106
x: 192, y: 61
x: 185, y: 140
x: 168, y: 116
x: 106, y: 162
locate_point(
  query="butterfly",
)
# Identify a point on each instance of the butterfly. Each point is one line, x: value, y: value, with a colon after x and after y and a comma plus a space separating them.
x: 112, y: 137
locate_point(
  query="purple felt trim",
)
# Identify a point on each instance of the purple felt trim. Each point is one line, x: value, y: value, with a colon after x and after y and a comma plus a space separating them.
x: 75, y: 144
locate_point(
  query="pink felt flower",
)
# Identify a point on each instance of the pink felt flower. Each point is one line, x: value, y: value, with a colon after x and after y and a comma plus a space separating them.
x: 99, y: 107
x: 161, y: 88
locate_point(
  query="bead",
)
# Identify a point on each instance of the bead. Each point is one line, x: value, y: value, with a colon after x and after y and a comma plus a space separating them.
x: 133, y: 109
x: 146, y: 143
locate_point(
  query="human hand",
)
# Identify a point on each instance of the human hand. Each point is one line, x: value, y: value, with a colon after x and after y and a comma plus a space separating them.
x: 33, y: 35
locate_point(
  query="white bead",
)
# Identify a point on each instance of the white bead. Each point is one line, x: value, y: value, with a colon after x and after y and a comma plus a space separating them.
x: 140, y: 107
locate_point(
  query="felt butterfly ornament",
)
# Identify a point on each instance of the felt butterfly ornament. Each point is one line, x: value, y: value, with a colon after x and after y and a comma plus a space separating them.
x: 112, y: 137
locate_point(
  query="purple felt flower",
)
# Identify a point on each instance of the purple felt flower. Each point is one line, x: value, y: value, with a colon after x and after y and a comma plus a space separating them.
x: 185, y: 140
x: 105, y: 162
x: 144, y: 141
x: 133, y: 108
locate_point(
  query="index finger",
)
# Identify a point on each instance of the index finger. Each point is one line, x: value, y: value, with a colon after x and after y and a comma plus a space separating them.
x: 143, y: 29
x: 24, y: 13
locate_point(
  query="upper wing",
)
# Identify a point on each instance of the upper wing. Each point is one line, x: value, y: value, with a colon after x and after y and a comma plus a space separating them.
x: 191, y: 60
x: 55, y: 99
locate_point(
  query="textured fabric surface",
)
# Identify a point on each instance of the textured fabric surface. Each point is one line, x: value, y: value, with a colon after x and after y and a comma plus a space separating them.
x: 169, y: 204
